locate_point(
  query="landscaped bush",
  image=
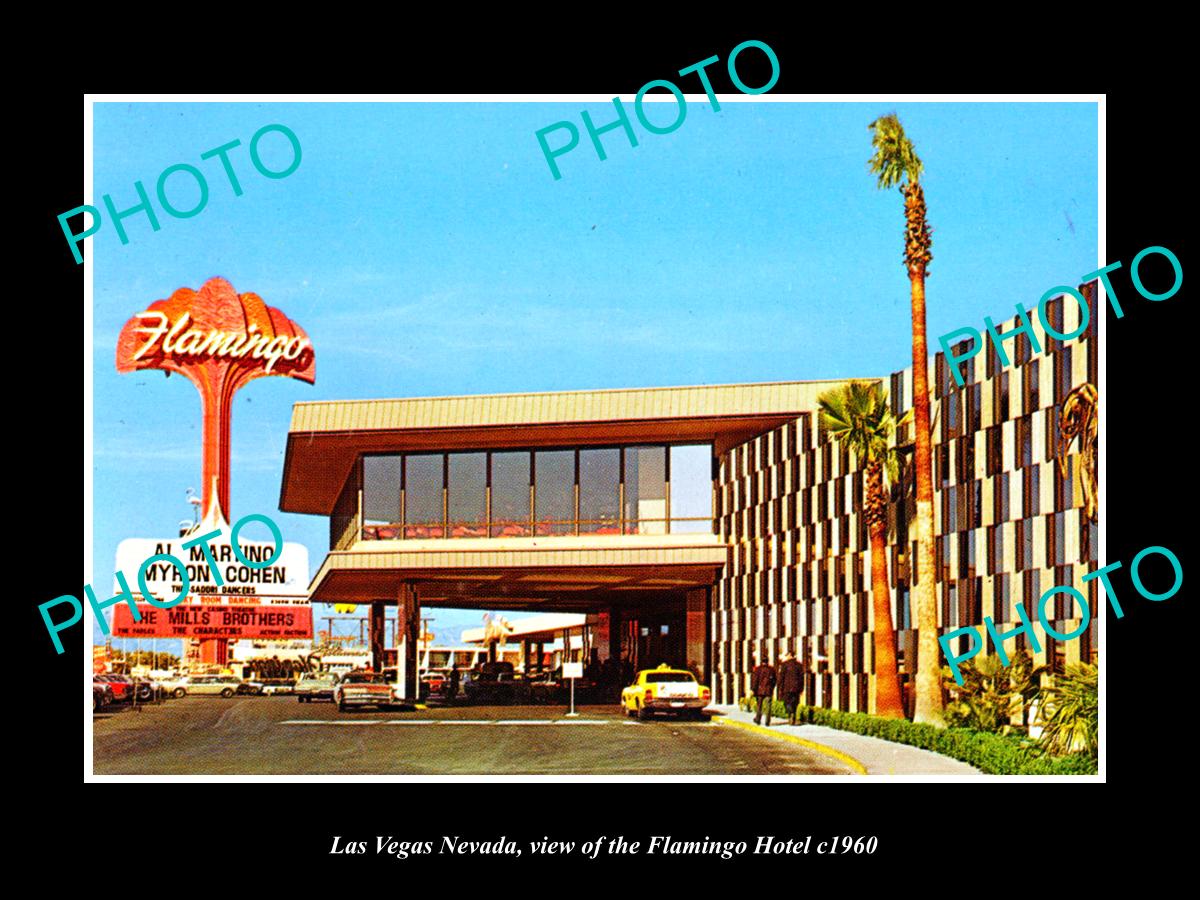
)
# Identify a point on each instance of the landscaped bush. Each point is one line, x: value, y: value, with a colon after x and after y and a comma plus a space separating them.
x: 993, y: 754
x: 992, y: 694
x: 1070, y: 711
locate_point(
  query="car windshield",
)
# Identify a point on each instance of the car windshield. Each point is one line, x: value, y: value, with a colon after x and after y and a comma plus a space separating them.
x: 659, y: 677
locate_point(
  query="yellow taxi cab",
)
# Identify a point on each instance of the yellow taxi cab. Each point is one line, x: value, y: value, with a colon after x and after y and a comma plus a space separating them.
x: 664, y: 690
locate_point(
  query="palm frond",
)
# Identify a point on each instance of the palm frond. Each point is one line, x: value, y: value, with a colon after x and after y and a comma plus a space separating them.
x: 895, y: 156
x: 857, y: 415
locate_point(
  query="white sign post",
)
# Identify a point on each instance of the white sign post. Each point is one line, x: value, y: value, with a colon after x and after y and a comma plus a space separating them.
x: 572, y: 670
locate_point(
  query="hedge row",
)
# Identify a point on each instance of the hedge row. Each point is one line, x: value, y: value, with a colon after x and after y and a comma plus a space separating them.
x: 993, y: 754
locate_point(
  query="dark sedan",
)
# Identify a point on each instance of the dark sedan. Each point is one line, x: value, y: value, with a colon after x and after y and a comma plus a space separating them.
x: 496, y: 682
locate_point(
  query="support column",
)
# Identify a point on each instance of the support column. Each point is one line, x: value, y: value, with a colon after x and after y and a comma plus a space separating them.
x: 378, y: 635
x: 408, y: 627
x: 696, y: 634
x: 614, y: 634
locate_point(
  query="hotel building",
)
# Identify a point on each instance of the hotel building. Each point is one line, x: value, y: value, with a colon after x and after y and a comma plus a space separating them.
x: 703, y: 525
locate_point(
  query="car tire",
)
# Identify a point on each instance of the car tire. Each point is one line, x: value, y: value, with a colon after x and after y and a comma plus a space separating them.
x: 227, y: 693
x: 299, y: 699
x: 341, y: 705
x: 95, y: 703
x: 642, y: 713
x: 178, y: 692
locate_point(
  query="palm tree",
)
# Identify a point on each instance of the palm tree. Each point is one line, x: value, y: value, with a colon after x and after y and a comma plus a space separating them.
x: 857, y: 416
x: 896, y: 161
x: 1070, y: 711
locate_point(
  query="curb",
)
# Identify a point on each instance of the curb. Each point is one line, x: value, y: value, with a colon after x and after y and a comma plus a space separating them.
x: 853, y: 763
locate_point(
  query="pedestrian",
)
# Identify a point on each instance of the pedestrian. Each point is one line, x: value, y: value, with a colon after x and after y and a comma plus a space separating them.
x: 762, y: 682
x: 454, y: 678
x: 791, y: 685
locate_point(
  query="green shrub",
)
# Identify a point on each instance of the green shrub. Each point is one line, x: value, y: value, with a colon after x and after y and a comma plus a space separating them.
x: 993, y: 754
x: 992, y: 695
x: 1069, y: 711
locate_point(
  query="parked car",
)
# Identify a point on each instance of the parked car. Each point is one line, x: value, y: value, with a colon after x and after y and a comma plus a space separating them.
x: 174, y: 685
x: 436, y: 680
x: 392, y: 675
x: 250, y: 686
x: 496, y: 682
x: 272, y: 686
x: 147, y: 690
x: 100, y: 696
x: 664, y: 690
x: 315, y: 686
x: 122, y: 686
x: 363, y: 689
x: 108, y: 695
x: 435, y: 685
x: 551, y: 687
x: 209, y: 685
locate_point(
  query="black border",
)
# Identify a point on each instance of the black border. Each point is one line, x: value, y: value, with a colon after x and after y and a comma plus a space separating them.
x: 1147, y: 433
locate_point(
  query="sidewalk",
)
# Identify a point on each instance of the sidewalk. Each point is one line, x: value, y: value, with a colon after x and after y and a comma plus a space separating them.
x: 876, y: 756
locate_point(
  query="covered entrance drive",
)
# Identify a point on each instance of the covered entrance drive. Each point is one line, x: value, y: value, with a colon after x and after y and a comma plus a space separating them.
x: 605, y: 503
x: 646, y: 597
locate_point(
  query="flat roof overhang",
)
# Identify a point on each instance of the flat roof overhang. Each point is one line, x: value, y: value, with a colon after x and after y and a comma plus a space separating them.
x: 327, y: 436
x: 563, y: 574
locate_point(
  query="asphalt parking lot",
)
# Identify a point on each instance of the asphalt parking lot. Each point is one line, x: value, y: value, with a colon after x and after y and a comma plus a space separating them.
x: 278, y: 736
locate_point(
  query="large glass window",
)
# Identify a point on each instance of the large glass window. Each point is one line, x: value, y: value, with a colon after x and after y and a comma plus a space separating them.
x: 600, y: 491
x: 691, y: 489
x: 554, y: 481
x: 438, y: 495
x: 1032, y: 396
x: 1002, y: 504
x: 1001, y: 399
x: 423, y: 514
x: 468, y: 495
x: 645, y: 490
x: 1003, y: 602
x: 510, y: 494
x: 381, y: 490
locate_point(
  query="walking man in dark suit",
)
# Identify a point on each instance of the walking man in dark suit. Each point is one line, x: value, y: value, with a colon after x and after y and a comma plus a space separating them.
x: 791, y: 685
x: 762, y: 682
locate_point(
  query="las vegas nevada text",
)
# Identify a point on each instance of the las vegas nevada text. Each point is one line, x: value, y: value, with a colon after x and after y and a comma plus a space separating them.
x: 584, y: 438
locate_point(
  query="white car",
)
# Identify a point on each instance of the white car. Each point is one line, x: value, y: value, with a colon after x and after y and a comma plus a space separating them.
x: 212, y: 685
x: 315, y: 686
x: 172, y: 684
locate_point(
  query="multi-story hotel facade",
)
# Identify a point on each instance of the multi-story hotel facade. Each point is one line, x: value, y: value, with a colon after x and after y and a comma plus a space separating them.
x: 704, y: 526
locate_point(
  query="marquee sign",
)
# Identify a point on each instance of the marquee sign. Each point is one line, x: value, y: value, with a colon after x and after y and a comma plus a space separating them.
x: 208, y: 622
x: 223, y: 580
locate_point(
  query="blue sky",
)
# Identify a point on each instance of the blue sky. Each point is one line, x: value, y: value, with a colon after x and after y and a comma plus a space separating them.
x: 427, y: 250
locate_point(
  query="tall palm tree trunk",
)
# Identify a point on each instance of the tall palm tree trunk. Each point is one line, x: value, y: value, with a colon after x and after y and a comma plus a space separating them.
x: 924, y: 593
x: 887, y: 681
